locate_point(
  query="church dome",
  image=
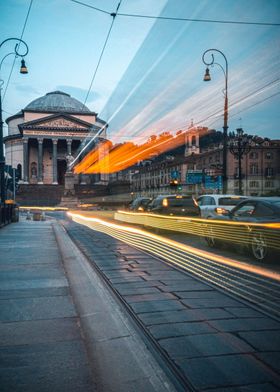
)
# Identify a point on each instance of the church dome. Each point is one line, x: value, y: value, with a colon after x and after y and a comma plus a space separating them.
x: 57, y: 101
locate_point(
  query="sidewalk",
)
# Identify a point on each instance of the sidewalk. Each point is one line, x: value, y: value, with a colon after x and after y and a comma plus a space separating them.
x: 41, y: 348
x: 60, y: 328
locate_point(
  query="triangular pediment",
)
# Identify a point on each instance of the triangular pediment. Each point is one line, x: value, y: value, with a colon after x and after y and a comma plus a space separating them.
x: 59, y: 121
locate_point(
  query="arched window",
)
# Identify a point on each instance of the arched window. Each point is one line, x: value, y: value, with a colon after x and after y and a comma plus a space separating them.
x: 19, y: 171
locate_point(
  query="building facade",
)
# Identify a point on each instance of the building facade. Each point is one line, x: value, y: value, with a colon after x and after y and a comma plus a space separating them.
x: 46, y: 134
x: 199, y: 168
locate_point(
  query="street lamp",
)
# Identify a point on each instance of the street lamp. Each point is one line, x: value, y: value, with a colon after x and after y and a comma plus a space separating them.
x: 240, y: 145
x: 23, y: 70
x: 207, y: 78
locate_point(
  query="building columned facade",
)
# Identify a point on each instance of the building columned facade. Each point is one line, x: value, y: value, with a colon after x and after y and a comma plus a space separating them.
x: 45, y: 134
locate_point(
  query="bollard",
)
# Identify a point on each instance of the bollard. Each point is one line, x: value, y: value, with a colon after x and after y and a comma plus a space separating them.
x: 28, y: 215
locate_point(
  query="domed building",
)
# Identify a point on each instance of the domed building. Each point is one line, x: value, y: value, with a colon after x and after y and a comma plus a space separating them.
x: 44, y: 133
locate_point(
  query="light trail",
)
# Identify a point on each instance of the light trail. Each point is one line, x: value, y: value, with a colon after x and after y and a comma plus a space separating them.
x: 175, y: 245
x: 252, y: 283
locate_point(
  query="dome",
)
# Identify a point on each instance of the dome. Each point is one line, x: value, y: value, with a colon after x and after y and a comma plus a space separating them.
x: 57, y: 101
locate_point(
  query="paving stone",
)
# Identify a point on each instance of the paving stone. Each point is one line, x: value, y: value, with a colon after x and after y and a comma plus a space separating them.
x: 272, y: 359
x: 183, y: 315
x: 244, y: 312
x: 225, y: 371
x: 263, y: 387
x: 33, y: 284
x: 207, y: 294
x: 29, y: 293
x: 187, y: 285
x: 245, y: 324
x: 149, y: 297
x: 210, y: 302
x: 58, y: 367
x: 38, y: 331
x: 180, y: 329
x: 36, y: 308
x: 263, y: 340
x: 204, y: 345
x: 156, y: 306
x: 138, y: 284
x: 138, y: 290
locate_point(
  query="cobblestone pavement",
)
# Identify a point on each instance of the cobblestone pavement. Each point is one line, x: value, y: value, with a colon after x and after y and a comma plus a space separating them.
x: 217, y: 342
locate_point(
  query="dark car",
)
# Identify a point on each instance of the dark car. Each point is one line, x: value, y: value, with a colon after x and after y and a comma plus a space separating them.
x: 174, y: 205
x: 258, y: 231
x: 140, y: 203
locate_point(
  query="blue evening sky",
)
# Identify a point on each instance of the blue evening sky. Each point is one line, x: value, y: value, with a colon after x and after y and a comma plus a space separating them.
x: 150, y: 78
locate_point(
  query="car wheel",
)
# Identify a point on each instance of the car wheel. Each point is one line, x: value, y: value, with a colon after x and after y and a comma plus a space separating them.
x: 259, y: 247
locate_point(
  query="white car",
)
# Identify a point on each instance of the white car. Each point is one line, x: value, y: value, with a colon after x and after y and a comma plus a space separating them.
x: 213, y: 205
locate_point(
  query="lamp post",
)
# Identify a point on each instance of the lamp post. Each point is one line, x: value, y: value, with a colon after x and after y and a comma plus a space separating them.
x: 23, y: 70
x: 240, y: 145
x: 207, y: 78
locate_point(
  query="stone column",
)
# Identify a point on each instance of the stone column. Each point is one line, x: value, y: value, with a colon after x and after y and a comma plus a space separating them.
x: 69, y: 146
x: 25, y: 161
x: 40, y: 161
x: 54, y: 160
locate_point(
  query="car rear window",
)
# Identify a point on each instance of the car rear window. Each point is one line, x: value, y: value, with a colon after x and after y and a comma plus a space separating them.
x: 180, y: 202
x: 230, y: 201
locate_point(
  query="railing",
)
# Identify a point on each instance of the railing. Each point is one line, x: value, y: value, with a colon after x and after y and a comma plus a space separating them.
x: 8, y: 213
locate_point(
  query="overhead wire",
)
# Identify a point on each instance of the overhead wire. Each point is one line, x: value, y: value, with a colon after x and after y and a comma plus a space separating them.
x: 180, y: 19
x: 102, y: 51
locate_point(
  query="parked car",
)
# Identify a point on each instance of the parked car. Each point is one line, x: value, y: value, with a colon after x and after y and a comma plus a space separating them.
x: 174, y: 205
x: 140, y: 203
x: 260, y: 233
x: 213, y: 205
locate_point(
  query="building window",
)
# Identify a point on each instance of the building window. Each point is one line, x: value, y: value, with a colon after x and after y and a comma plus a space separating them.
x: 254, y: 184
x: 269, y: 171
x: 269, y: 184
x: 268, y: 155
x: 254, y: 169
x: 253, y: 155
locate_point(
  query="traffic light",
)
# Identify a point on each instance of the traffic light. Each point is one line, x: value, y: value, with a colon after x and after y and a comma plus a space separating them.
x: 174, y: 183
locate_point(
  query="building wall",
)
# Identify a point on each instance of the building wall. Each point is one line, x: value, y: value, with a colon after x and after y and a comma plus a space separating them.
x: 13, y: 125
x: 14, y: 153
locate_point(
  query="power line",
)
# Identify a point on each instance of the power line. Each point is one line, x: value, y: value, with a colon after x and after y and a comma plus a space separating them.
x: 24, y: 26
x: 103, y: 49
x: 179, y: 19
x: 91, y: 6
x: 200, y: 20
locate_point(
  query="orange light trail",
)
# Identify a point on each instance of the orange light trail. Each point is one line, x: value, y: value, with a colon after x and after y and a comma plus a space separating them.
x: 106, y: 158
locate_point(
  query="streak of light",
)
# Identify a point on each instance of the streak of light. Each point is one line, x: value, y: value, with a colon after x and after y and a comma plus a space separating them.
x: 43, y: 208
x: 173, y: 251
x: 222, y: 230
x: 119, y: 157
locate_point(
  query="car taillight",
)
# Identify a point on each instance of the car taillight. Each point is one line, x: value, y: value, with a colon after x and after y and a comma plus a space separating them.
x: 140, y: 208
x: 165, y: 202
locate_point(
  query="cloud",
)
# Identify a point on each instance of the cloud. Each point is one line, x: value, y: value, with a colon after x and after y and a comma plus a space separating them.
x: 79, y: 93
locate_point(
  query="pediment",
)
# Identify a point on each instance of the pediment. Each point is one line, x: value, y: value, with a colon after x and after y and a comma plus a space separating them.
x: 56, y: 122
x: 59, y: 123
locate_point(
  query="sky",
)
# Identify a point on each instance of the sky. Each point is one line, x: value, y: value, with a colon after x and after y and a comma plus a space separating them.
x: 149, y: 78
